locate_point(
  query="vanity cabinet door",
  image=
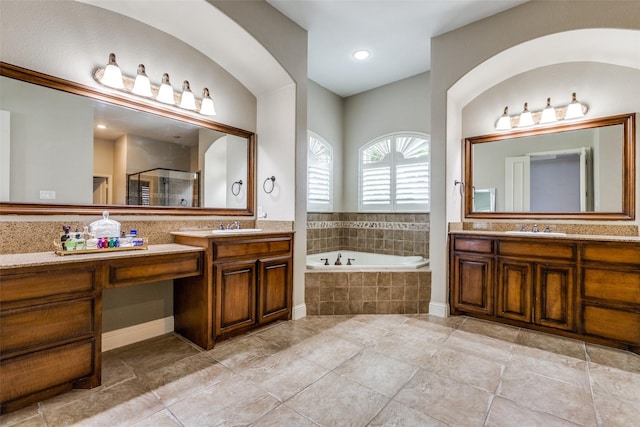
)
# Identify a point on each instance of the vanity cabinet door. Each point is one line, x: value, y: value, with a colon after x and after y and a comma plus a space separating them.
x: 235, y: 296
x: 274, y: 289
x: 555, y: 295
x: 514, y: 290
x: 473, y: 284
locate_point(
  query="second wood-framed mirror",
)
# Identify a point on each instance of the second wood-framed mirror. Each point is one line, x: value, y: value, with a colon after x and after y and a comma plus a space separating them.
x: 578, y: 170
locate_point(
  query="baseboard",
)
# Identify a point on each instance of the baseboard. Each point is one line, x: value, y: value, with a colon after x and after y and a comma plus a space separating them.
x: 439, y: 309
x: 299, y: 311
x: 135, y: 333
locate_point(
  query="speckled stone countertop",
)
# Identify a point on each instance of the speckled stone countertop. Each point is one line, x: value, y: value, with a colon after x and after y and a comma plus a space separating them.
x: 213, y: 233
x: 46, y: 258
x: 543, y: 235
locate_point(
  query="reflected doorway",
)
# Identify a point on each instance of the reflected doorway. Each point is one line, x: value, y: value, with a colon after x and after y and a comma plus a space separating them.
x: 101, y: 193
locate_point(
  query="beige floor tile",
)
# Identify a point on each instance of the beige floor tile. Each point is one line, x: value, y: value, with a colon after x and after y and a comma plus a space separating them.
x: 233, y: 401
x: 162, y: 418
x: 552, y: 343
x: 185, y: 377
x: 551, y: 365
x: 326, y: 350
x: 490, y: 329
x: 358, y: 333
x: 283, y: 416
x: 505, y: 413
x: 544, y: 394
x: 336, y: 401
x: 377, y: 372
x: 614, y: 412
x: 239, y: 352
x: 283, y: 374
x: 615, y: 382
x: 415, y: 352
x: 466, y: 368
x: 285, y: 335
x: 123, y: 404
x: 322, y: 323
x: 424, y: 330
x: 387, y: 322
x: 453, y: 322
x: 397, y: 414
x: 624, y: 360
x: 445, y: 399
x: 23, y: 417
x: 155, y: 353
x: 479, y: 345
x: 114, y: 370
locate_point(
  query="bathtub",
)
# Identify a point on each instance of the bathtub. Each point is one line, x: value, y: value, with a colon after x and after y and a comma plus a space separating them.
x: 365, y: 261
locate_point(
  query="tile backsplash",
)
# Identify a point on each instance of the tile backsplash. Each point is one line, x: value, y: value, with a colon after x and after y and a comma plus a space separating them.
x: 401, y: 234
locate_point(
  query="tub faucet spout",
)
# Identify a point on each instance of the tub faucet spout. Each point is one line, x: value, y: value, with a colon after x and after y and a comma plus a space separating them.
x: 338, y: 262
x: 326, y: 260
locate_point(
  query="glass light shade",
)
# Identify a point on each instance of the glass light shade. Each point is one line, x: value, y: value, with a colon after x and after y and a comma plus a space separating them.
x: 504, y: 122
x: 548, y: 114
x: 207, y: 108
x: 361, y: 55
x: 165, y: 93
x: 526, y: 118
x: 574, y: 109
x: 187, y: 100
x: 112, y: 76
x: 142, y: 85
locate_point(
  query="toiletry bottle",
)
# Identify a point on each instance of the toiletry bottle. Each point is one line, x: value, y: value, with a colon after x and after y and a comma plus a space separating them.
x: 65, y: 236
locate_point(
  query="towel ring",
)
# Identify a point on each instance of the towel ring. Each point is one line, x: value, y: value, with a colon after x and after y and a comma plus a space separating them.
x: 237, y: 184
x: 273, y: 184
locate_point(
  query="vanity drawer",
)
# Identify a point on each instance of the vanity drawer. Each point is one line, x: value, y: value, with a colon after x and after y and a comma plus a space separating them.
x: 618, y: 253
x: 49, y: 323
x: 473, y: 245
x: 611, y: 323
x: 246, y: 249
x: 152, y: 269
x: 22, y: 376
x: 536, y: 249
x: 46, y: 282
x: 612, y: 285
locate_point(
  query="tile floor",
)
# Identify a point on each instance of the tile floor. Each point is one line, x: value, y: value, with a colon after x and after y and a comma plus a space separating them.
x: 364, y: 370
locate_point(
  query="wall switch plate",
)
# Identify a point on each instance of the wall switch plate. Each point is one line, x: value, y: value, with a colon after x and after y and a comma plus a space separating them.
x: 261, y: 213
x: 47, y: 195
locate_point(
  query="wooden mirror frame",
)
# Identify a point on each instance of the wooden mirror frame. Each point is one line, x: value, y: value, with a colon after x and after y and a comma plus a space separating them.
x: 30, y: 76
x: 628, y: 170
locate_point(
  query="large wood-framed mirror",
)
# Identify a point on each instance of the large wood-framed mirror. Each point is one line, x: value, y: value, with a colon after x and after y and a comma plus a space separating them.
x: 165, y: 161
x: 579, y: 170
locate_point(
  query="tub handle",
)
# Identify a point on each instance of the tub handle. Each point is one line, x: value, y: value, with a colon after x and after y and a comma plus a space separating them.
x: 349, y: 260
x: 326, y: 260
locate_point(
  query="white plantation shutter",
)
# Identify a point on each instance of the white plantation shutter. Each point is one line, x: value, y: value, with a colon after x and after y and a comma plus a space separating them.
x: 394, y: 174
x: 319, y: 174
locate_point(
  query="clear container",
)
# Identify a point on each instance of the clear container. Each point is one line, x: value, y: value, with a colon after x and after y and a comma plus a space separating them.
x: 105, y: 227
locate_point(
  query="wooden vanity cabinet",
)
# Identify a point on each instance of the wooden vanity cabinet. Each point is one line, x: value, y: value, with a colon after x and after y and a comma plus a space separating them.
x: 589, y: 290
x: 248, y: 282
x: 50, y: 318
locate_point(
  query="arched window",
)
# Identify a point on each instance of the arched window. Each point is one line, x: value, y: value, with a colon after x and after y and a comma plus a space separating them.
x: 394, y: 173
x: 319, y: 174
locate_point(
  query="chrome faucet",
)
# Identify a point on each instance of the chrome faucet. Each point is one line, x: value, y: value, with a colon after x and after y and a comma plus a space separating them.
x: 338, y: 262
x: 326, y: 260
x: 233, y: 225
x: 535, y: 228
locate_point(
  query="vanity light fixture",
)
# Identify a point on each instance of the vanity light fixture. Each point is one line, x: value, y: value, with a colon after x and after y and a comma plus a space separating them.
x: 575, y: 109
x: 187, y: 100
x: 141, y: 86
x: 112, y: 76
x: 526, y: 118
x: 547, y: 116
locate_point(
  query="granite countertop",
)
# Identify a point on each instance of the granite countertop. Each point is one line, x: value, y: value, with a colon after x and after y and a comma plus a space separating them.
x: 213, y: 234
x: 46, y: 258
x: 543, y: 235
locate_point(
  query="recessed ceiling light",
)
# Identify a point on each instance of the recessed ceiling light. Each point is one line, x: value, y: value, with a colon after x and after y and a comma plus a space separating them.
x: 101, y: 126
x: 361, y: 55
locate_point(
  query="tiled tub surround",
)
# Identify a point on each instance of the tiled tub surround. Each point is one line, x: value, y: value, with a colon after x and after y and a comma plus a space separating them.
x: 27, y: 236
x: 398, y: 292
x: 400, y: 234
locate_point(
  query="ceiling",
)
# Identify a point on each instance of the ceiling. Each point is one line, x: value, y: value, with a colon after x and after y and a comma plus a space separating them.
x: 396, y: 32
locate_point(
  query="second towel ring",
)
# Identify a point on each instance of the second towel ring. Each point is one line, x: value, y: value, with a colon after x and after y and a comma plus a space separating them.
x: 233, y: 187
x: 273, y: 184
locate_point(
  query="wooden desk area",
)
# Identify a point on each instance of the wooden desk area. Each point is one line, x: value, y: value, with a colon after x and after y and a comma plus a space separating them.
x: 51, y: 314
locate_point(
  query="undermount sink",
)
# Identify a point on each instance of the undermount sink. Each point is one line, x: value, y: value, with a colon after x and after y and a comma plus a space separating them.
x: 536, y: 233
x: 237, y: 231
